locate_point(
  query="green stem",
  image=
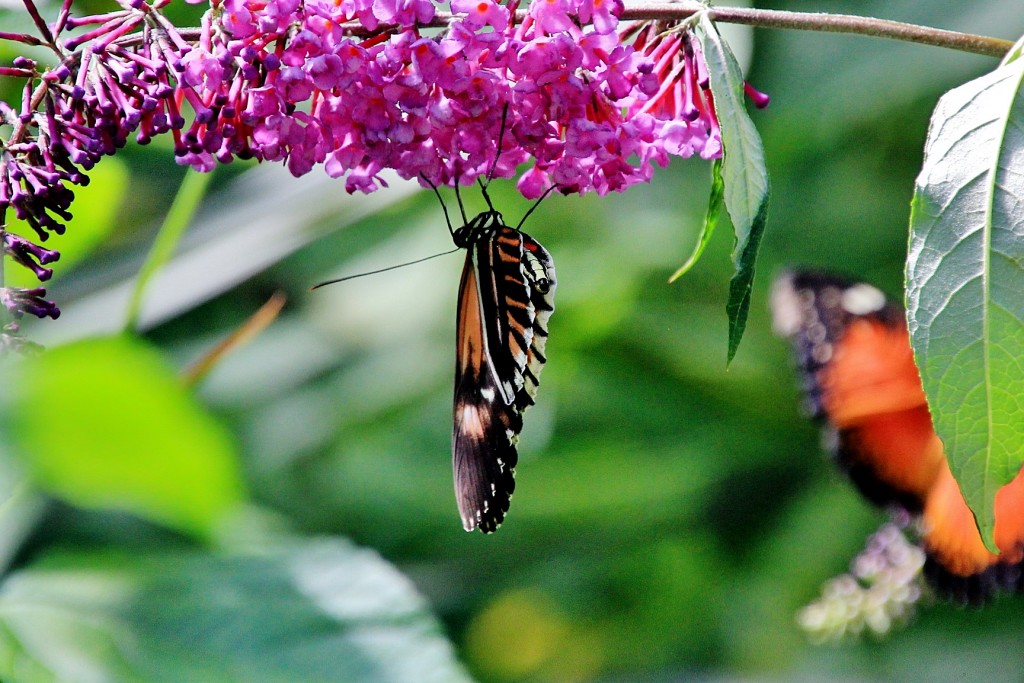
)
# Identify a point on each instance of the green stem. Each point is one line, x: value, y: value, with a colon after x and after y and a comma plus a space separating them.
x: 190, y: 194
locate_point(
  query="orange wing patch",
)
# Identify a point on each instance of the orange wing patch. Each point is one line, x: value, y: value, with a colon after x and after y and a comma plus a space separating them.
x: 871, y: 371
x: 951, y: 535
x: 864, y: 382
x: 470, y: 333
x: 871, y: 392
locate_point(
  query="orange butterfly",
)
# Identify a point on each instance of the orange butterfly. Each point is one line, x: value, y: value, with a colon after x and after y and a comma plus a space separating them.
x: 854, y: 348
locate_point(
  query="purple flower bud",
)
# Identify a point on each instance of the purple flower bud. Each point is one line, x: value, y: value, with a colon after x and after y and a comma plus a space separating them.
x: 759, y: 99
x: 19, y: 301
x: 28, y: 254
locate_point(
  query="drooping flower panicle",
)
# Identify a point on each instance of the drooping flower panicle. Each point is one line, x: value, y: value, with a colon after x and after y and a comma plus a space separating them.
x: 72, y: 114
x: 555, y: 94
x: 881, y: 590
x: 559, y: 89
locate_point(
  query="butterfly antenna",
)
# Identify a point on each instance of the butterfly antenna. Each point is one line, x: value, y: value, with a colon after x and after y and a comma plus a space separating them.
x: 458, y: 197
x: 444, y: 207
x: 501, y: 140
x: 535, y: 205
x: 487, y: 197
x: 382, y: 270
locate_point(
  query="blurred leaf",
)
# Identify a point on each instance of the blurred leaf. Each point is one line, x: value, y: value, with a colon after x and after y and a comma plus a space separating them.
x: 21, y: 505
x: 661, y: 579
x: 744, y: 174
x: 819, y: 534
x: 715, y: 205
x: 964, y: 282
x: 95, y: 209
x: 125, y: 434
x: 293, y: 611
x: 549, y: 646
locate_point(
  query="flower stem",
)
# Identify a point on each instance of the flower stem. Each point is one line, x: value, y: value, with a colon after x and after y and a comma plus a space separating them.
x: 41, y: 26
x: 834, y: 23
x: 186, y: 202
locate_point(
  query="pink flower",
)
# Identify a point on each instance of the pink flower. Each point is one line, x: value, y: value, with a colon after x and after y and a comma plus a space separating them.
x: 480, y: 13
x: 553, y: 16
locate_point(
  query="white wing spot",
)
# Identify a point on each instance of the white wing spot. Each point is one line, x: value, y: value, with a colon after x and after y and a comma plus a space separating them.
x: 862, y: 299
x: 487, y: 393
x: 785, y: 307
x: 471, y: 424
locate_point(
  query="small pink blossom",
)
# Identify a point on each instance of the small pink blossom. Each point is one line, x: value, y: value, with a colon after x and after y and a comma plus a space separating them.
x: 480, y: 13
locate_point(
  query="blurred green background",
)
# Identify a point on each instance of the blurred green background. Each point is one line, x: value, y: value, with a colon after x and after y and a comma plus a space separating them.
x: 670, y: 516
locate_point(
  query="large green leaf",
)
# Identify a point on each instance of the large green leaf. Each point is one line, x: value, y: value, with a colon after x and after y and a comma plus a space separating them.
x: 965, y: 282
x: 106, y: 423
x: 313, y: 611
x: 743, y: 172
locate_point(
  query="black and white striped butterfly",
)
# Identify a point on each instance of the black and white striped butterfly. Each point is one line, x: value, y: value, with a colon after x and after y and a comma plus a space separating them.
x: 505, y: 299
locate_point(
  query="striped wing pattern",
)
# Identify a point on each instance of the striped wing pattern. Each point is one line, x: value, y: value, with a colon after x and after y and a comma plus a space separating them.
x: 505, y: 299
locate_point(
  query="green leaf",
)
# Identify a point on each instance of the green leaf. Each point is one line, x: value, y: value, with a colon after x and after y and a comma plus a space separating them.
x: 965, y: 281
x: 743, y: 172
x: 1015, y: 52
x: 21, y: 505
x: 106, y: 423
x: 314, y: 611
x: 95, y: 210
x: 715, y: 205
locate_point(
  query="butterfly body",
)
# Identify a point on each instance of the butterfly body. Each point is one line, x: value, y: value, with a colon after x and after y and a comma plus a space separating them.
x: 854, y: 351
x: 505, y: 299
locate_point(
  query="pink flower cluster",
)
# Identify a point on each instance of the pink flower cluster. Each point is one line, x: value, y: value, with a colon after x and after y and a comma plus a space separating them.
x: 559, y: 95
x: 360, y: 86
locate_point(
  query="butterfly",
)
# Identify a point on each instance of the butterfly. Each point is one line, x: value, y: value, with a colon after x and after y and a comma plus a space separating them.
x: 506, y: 297
x: 853, y: 348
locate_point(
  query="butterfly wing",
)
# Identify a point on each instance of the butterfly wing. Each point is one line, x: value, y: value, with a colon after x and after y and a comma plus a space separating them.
x: 859, y: 375
x: 499, y: 353
x: 483, y: 455
x: 855, y: 354
x: 540, y: 268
